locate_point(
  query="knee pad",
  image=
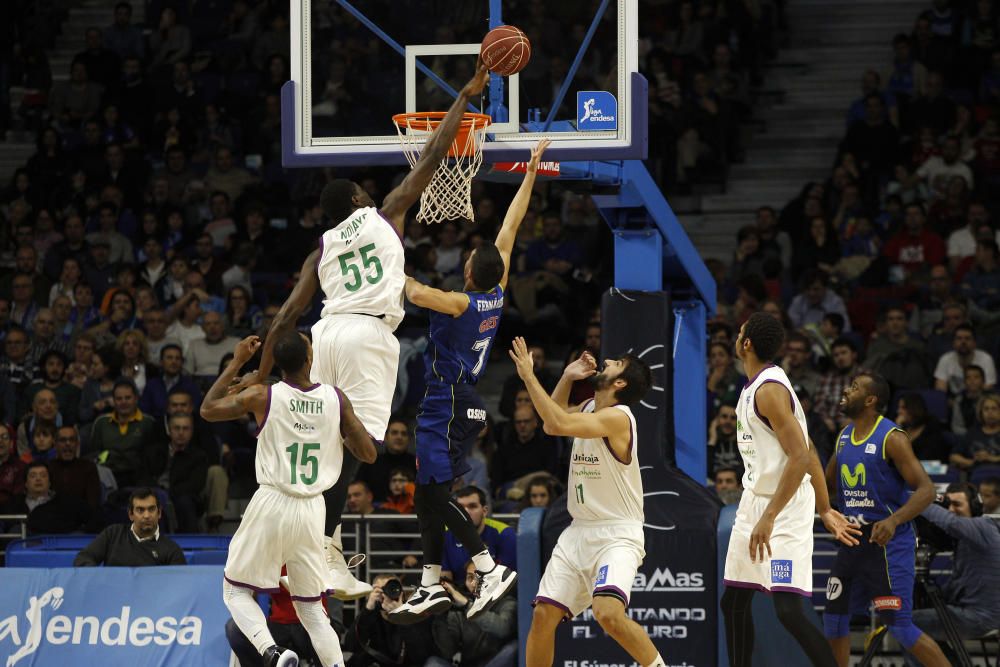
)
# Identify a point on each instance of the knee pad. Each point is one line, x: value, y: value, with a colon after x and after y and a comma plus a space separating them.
x: 905, y: 632
x: 836, y: 626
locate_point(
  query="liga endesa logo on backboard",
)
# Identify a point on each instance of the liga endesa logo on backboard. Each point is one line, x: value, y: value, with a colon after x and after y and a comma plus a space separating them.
x: 596, y: 110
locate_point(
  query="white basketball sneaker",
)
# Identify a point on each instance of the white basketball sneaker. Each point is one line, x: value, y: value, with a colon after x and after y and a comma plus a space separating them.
x: 493, y: 585
x: 345, y: 586
x: 426, y: 600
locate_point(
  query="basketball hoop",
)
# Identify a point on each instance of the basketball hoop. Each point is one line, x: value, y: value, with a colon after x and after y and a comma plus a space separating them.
x: 449, y: 194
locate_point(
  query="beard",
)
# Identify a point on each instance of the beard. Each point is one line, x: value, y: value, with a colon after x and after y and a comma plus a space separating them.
x: 852, y: 410
x: 601, y: 381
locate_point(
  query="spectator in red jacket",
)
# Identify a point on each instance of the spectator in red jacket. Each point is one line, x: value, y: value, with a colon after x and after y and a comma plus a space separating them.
x: 914, y: 248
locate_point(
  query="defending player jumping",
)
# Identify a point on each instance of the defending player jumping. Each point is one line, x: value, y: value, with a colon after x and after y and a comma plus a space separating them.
x: 771, y: 546
x: 463, y: 326
x: 597, y: 557
x: 872, y: 466
x: 304, y: 428
x: 359, y: 266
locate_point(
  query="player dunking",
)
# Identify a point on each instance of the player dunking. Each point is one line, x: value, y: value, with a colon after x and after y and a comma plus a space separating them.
x: 783, y: 484
x: 872, y: 466
x: 359, y: 266
x: 463, y: 326
x: 304, y: 428
x: 596, y: 558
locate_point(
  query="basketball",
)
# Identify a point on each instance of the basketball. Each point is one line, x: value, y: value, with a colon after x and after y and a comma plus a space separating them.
x: 506, y: 50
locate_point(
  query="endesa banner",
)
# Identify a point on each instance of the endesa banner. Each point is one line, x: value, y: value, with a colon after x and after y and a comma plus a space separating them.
x: 133, y: 617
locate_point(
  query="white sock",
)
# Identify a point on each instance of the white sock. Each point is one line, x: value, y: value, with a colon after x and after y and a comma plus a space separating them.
x: 324, y: 640
x: 247, y: 615
x: 658, y: 662
x: 484, y: 561
x: 431, y: 575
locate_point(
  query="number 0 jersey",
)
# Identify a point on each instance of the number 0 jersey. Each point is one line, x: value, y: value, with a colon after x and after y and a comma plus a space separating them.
x: 603, y: 487
x: 299, y: 447
x: 361, y: 268
x: 460, y: 346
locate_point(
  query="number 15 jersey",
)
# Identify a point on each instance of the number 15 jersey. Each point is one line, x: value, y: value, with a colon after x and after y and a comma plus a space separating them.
x: 300, y: 449
x: 361, y: 268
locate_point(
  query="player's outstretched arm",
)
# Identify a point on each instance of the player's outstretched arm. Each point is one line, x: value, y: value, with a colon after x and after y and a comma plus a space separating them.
x: 581, y: 369
x: 608, y: 423
x: 399, y: 201
x: 899, y: 450
x: 218, y: 407
x: 518, y: 207
x: 449, y: 303
x: 356, y: 438
x: 772, y: 403
x: 294, y: 307
x: 835, y: 522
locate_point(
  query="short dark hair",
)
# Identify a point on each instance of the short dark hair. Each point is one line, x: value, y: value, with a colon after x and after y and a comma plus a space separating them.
x: 879, y: 389
x: 975, y: 367
x: 363, y: 483
x: 843, y: 341
x: 171, y: 346
x: 799, y: 337
x: 139, y: 494
x: 965, y: 326
x: 991, y: 481
x: 638, y: 379
x: 471, y: 490
x: 406, y: 472
x: 837, y: 320
x: 766, y: 334
x: 336, y: 200
x: 52, y: 353
x: 36, y: 464
x: 487, y: 266
x: 291, y: 351
x: 916, y: 406
x: 125, y: 382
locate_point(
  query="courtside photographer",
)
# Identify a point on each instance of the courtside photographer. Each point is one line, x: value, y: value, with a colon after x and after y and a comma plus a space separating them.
x: 375, y: 641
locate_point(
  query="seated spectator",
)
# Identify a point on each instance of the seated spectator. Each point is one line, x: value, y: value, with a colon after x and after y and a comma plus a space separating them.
x: 724, y: 381
x: 172, y: 377
x: 42, y: 448
x: 196, y: 487
x: 137, y: 544
x: 123, y: 38
x: 549, y: 263
x: 723, y: 450
x: 181, y: 402
x: 72, y: 476
x: 73, y: 101
x: 489, y: 640
x: 96, y: 396
x: 815, y: 301
x: 747, y: 258
x: 223, y: 176
x: 207, y: 263
x: 397, y: 455
x: 582, y: 390
x: 962, y: 242
x: 401, y: 489
x: 12, y: 468
x: 775, y: 244
x: 17, y: 369
x: 523, y: 450
x: 963, y: 406
x: 44, y: 412
x: 981, y: 284
x: 939, y: 170
x: 822, y: 337
x: 121, y: 250
x: 821, y: 436
x: 185, y: 329
x: 897, y: 355
x: 131, y: 347
x: 499, y: 538
x: 914, y: 248
x: 125, y: 440
x: 50, y: 512
x: 542, y: 491
x: 170, y: 42
x: 513, y: 384
x: 874, y: 141
x: 242, y: 316
x: 844, y: 354
x: 155, y: 322
x: 989, y: 492
x: 728, y: 485
x: 949, y: 375
x: 374, y: 641
x: 980, y: 448
x: 797, y: 365
x: 929, y: 310
x: 926, y: 435
x: 53, y: 368
x: 204, y: 356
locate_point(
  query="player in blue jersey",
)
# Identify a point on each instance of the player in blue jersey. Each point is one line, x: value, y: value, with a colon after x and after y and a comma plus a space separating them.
x: 872, y: 465
x: 462, y: 328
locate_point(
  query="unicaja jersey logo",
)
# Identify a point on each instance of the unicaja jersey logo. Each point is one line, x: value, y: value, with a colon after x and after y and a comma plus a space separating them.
x: 596, y: 110
x: 852, y: 479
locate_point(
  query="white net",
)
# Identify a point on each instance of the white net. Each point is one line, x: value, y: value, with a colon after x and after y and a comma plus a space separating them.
x: 449, y: 194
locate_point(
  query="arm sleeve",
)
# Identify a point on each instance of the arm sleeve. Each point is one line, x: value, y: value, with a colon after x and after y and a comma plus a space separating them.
x: 501, y: 621
x: 959, y: 527
x: 94, y: 553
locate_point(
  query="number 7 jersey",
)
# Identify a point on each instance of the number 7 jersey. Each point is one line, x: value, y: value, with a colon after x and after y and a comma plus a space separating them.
x: 300, y: 450
x: 360, y: 267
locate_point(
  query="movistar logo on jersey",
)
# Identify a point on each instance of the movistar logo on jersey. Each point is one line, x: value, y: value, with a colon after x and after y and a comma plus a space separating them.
x: 852, y: 479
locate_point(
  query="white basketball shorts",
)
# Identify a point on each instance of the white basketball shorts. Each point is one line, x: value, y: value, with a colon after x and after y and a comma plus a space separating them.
x: 789, y: 568
x: 591, y: 558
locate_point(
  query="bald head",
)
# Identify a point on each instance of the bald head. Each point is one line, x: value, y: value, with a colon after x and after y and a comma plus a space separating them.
x: 525, y: 423
x: 213, y: 327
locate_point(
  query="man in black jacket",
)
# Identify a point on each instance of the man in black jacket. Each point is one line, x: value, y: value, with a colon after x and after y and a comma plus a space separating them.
x: 375, y: 641
x: 137, y: 544
x: 49, y: 512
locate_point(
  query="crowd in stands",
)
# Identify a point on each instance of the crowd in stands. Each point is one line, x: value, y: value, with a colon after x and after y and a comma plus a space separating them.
x: 892, y: 262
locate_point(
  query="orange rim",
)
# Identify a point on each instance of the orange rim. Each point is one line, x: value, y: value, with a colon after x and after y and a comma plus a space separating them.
x: 428, y: 121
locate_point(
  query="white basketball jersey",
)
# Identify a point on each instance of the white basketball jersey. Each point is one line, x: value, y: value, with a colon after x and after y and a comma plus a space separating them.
x: 602, y: 487
x: 361, y: 268
x: 299, y: 447
x: 763, y: 457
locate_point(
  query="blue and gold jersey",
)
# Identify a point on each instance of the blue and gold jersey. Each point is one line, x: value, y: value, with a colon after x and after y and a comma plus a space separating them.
x: 871, y: 487
x: 460, y: 346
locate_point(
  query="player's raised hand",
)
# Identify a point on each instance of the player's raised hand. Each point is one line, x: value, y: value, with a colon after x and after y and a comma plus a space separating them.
x: 246, y: 348
x: 478, y: 81
x: 523, y: 359
x: 536, y: 154
x: 842, y: 530
x: 241, y: 383
x: 582, y: 368
x: 760, y: 539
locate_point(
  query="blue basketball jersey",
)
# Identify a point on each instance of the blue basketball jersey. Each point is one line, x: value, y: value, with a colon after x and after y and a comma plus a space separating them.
x: 460, y: 346
x: 871, y: 487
